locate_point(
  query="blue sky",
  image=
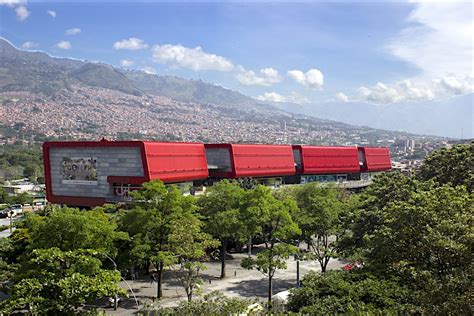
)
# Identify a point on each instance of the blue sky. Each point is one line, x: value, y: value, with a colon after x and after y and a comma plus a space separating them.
x: 309, y: 52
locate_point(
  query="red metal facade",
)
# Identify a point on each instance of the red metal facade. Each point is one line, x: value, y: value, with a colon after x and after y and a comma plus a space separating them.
x: 169, y: 162
x: 183, y: 162
x: 176, y: 162
x: 375, y: 159
x: 328, y: 160
x: 259, y: 160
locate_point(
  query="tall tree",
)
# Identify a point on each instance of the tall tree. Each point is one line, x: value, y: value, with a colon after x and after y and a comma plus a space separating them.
x: 220, y: 207
x: 385, y: 189
x: 321, y: 217
x: 188, y: 246
x: 254, y: 206
x: 151, y: 221
x: 277, y: 228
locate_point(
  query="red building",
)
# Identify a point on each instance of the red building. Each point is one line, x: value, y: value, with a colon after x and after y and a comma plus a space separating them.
x: 92, y: 173
x: 79, y: 173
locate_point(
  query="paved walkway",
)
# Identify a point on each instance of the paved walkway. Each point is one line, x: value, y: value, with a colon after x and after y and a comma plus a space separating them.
x: 239, y: 282
x: 6, y: 221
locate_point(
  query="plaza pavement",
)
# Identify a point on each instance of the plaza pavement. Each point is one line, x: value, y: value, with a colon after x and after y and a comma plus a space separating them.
x: 240, y: 282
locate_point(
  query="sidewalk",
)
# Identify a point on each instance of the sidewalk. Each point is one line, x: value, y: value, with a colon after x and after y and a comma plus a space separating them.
x: 239, y: 282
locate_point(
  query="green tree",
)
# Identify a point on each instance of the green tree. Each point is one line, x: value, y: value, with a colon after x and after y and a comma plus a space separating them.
x: 220, y: 207
x: 254, y: 206
x: 7, y: 264
x: 188, y: 246
x: 450, y: 165
x: 385, y: 189
x: 322, y: 218
x: 211, y: 304
x: 349, y: 292
x: 422, y: 232
x: 277, y: 228
x: 150, y: 222
x: 4, y: 198
x: 73, y: 229
x: 52, y: 281
x: 22, y: 198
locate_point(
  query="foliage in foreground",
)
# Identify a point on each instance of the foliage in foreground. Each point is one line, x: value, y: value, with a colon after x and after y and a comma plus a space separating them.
x: 454, y: 166
x: 337, y: 292
x: 54, y: 281
x: 415, y: 238
x: 212, y: 304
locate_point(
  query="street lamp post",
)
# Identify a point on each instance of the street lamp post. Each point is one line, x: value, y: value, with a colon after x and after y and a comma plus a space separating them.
x: 131, y: 290
x: 298, y: 256
x: 10, y: 214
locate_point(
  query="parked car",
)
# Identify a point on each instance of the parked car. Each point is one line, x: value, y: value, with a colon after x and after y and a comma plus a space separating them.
x: 17, y: 209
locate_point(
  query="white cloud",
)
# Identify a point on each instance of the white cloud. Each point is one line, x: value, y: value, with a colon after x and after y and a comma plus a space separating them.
x: 131, y: 43
x: 456, y: 86
x: 313, y: 78
x: 126, y: 63
x: 12, y: 3
x: 268, y: 76
x: 149, y: 70
x: 438, y: 41
x: 276, y: 97
x: 73, y: 31
x: 400, y: 91
x: 342, y: 97
x: 22, y: 13
x: 417, y: 90
x: 439, y: 38
x: 51, y: 13
x: 191, y: 58
x: 29, y: 45
x: 64, y: 45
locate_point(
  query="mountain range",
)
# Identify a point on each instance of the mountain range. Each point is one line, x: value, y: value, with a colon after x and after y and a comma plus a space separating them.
x: 62, y: 97
x: 452, y: 117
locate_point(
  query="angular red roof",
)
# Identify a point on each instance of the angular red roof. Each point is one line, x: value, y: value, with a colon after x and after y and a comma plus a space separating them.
x: 169, y: 162
x: 255, y: 160
x: 375, y: 159
x: 327, y: 160
x: 175, y: 162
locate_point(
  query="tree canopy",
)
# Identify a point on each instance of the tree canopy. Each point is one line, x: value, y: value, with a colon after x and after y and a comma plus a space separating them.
x: 220, y: 207
x: 322, y: 215
x: 278, y: 228
x: 155, y: 213
x: 72, y: 229
x: 453, y: 165
x: 52, y: 281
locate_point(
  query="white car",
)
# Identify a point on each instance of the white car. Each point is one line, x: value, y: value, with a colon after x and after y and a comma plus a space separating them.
x: 16, y: 209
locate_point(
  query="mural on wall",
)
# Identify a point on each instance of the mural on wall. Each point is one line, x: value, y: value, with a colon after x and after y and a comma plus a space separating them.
x: 79, y: 170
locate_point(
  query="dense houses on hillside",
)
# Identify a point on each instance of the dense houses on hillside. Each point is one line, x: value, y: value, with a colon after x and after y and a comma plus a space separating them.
x: 93, y: 113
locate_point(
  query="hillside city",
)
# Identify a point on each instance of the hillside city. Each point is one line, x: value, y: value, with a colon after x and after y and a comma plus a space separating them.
x: 92, y: 113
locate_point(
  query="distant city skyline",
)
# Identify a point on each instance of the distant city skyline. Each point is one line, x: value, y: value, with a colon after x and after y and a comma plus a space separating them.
x: 302, y: 53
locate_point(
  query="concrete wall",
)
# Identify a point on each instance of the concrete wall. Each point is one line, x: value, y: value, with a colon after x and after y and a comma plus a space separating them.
x: 120, y: 161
